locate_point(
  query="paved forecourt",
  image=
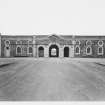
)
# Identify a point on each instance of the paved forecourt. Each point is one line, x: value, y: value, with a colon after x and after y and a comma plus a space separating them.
x: 52, y: 79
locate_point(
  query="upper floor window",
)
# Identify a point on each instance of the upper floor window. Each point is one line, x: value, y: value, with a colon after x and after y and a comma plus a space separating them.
x: 77, y: 42
x: 7, y: 42
x: 29, y: 42
x: 100, y: 50
x: 77, y: 50
x: 24, y: 41
x: 100, y: 43
x: 18, y: 42
x: 89, y: 42
x: 88, y: 50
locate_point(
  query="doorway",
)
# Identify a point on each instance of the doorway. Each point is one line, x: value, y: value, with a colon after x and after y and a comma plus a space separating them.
x: 53, y: 51
x: 66, y: 52
x: 41, y: 52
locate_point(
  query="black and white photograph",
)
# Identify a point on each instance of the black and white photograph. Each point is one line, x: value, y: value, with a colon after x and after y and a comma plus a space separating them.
x: 52, y: 50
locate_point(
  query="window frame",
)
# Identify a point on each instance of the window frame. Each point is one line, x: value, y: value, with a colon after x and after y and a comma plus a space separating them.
x: 79, y: 50
x: 29, y: 50
x: 102, y: 51
x: 90, y: 53
x: 17, y: 50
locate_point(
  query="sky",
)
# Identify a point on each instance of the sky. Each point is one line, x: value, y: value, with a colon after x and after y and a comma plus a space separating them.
x: 43, y: 17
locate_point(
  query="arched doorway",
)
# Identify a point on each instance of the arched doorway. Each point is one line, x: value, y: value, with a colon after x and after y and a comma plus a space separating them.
x: 66, y: 52
x: 41, y: 52
x: 53, y: 51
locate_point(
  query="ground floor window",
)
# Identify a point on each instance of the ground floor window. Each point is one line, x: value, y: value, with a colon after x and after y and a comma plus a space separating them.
x: 41, y: 52
x: 100, y: 50
x: 24, y: 51
x: 88, y: 50
x: 18, y: 50
x: 77, y: 50
x: 30, y: 50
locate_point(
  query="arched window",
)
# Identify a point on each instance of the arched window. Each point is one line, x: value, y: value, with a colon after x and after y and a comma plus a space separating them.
x: 100, y: 50
x: 88, y: 50
x: 78, y: 50
x: 30, y: 50
x: 41, y: 52
x: 24, y: 50
x: 18, y: 50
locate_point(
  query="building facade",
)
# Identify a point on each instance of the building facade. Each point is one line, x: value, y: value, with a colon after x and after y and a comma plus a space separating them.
x: 52, y: 46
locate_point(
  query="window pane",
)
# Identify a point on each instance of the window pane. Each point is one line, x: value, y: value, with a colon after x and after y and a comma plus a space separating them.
x: 30, y: 49
x: 18, y: 50
x: 88, y: 50
x: 77, y: 49
x: 100, y: 50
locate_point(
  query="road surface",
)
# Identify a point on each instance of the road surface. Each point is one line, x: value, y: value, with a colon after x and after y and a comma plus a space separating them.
x: 52, y: 80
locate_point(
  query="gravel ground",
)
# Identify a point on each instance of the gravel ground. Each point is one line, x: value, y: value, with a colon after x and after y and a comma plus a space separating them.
x: 52, y: 79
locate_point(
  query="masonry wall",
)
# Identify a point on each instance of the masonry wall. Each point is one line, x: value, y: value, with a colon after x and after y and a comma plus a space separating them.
x: 72, y: 46
x: 94, y: 47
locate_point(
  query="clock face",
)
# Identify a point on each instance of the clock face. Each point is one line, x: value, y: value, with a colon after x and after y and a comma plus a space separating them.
x: 53, y: 52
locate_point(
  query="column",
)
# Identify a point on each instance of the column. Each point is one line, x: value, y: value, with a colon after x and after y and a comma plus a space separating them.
x: 46, y: 51
x: 34, y: 46
x: 61, y: 52
x: 72, y: 51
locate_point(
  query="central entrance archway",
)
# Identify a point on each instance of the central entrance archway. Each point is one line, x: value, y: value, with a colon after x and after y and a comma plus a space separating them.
x: 54, y: 51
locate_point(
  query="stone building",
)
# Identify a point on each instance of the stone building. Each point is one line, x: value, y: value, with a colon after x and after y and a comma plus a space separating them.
x: 52, y: 46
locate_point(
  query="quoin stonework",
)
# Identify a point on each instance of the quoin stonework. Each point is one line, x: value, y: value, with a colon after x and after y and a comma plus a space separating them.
x: 70, y: 46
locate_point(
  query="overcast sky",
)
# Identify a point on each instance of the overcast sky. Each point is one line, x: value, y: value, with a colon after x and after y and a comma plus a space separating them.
x: 52, y: 16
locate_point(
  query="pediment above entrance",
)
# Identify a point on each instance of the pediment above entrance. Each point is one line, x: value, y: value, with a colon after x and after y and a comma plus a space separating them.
x: 54, y: 39
x: 58, y: 39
